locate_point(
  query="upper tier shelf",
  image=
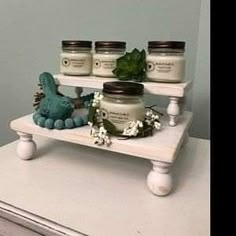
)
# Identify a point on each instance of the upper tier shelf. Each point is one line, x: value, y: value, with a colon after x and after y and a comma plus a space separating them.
x: 165, y: 89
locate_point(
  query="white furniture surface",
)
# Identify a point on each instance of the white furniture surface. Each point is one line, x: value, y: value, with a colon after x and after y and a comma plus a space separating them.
x: 70, y: 189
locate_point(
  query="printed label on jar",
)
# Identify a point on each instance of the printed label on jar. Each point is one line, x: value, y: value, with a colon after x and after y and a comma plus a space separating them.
x: 115, y: 117
x: 77, y: 63
x: 161, y: 67
x: 104, y: 64
x: 166, y: 69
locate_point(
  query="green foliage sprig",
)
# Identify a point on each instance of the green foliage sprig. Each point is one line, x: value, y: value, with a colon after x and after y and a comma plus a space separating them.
x: 131, y: 66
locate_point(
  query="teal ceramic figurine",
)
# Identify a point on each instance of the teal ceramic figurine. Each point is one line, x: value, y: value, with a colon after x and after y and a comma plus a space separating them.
x: 54, y: 110
x: 53, y: 105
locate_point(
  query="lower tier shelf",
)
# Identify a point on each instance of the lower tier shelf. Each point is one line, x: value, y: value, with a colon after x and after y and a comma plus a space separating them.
x: 162, y: 146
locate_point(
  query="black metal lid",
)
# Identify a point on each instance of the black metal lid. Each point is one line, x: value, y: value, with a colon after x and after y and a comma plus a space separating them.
x: 123, y: 88
x: 76, y: 43
x: 110, y: 44
x: 166, y: 44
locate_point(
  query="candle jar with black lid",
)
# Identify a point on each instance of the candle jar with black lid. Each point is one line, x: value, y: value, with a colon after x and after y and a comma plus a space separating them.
x: 122, y: 103
x: 105, y: 56
x: 165, y: 61
x: 76, y: 58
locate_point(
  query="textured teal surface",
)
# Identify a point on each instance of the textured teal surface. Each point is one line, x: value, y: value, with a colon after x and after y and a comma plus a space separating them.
x: 53, y: 106
x: 55, y: 110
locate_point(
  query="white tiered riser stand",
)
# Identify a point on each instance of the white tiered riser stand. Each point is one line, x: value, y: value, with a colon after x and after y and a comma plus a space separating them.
x: 161, y: 148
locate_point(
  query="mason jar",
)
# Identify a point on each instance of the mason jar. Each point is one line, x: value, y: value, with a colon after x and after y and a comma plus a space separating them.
x: 165, y: 61
x: 122, y: 102
x: 76, y: 58
x: 105, y: 56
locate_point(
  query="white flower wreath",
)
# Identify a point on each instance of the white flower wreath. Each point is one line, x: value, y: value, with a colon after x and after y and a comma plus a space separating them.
x: 100, y: 128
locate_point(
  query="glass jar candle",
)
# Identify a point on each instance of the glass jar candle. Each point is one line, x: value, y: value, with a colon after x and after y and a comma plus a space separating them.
x: 165, y: 61
x: 122, y: 103
x: 105, y: 56
x: 76, y: 58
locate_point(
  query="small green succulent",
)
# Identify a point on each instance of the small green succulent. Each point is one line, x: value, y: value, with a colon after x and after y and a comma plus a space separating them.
x: 131, y: 66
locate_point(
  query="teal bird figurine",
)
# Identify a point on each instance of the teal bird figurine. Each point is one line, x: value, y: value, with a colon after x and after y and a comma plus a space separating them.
x: 53, y: 105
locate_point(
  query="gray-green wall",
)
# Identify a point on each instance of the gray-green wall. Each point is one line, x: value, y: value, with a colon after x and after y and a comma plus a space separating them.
x: 31, y: 31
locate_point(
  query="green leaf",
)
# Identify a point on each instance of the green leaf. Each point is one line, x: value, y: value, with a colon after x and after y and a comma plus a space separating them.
x: 143, y: 55
x: 115, y: 71
x: 109, y: 126
x: 128, y: 56
x: 135, y: 55
x: 145, y: 131
x: 92, y: 114
x: 131, y: 66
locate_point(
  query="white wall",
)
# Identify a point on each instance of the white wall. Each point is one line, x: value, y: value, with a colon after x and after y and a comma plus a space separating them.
x: 31, y: 32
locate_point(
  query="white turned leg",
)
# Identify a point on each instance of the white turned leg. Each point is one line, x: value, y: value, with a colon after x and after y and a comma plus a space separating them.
x: 159, y: 180
x: 26, y: 146
x: 173, y: 110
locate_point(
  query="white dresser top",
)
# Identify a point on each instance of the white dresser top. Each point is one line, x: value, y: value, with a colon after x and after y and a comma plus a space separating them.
x: 76, y: 190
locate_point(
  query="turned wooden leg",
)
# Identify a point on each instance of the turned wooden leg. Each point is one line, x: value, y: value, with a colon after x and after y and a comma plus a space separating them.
x: 159, y: 179
x: 26, y: 146
x: 173, y: 110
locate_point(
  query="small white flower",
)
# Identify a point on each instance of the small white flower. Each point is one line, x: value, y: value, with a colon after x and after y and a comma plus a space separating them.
x: 157, y: 125
x: 140, y: 124
x: 100, y: 136
x: 149, y: 113
x: 107, y: 140
x: 148, y: 122
x: 102, y: 130
x: 156, y: 117
x: 98, y: 141
x: 96, y: 94
x: 96, y: 100
x: 132, y: 128
x: 94, y: 132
